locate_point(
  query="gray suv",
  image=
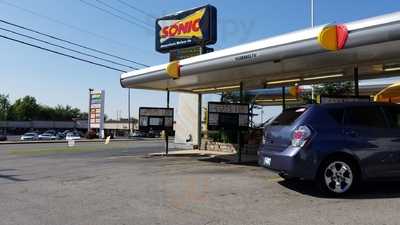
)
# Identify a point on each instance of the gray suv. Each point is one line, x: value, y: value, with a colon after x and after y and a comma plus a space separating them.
x: 336, y: 145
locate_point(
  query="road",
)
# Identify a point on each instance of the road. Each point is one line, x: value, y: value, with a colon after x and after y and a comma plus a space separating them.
x: 86, y: 149
x: 118, y: 184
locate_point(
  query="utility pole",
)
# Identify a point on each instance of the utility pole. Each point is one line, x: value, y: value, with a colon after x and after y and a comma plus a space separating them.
x: 312, y: 25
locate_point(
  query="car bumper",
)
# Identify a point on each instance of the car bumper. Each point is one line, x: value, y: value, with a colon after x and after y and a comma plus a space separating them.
x: 291, y: 162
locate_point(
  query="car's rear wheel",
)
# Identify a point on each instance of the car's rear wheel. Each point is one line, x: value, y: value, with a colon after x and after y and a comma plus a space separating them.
x: 337, y: 176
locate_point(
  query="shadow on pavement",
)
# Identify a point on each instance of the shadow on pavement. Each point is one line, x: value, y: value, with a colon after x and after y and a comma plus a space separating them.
x: 229, y: 159
x: 366, y: 190
x: 11, y: 177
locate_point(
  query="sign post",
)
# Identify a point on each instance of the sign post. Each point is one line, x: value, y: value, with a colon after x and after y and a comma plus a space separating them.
x: 194, y: 27
x: 96, y: 111
x: 153, y: 120
x: 228, y: 116
x: 165, y: 132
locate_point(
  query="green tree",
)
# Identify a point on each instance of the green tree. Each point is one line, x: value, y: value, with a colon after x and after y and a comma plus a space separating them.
x: 335, y: 88
x: 4, y: 107
x: 25, y: 108
x: 330, y: 88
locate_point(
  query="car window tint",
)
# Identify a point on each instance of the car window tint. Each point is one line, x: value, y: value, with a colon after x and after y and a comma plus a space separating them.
x: 393, y: 115
x: 365, y: 116
x: 337, y: 115
x: 288, y: 116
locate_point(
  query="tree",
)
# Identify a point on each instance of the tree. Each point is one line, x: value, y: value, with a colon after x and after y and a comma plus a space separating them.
x: 330, y: 88
x: 335, y: 88
x: 4, y: 107
x: 24, y: 109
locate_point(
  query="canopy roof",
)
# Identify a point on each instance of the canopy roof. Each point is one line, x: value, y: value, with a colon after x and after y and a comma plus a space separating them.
x: 389, y: 94
x: 373, y: 45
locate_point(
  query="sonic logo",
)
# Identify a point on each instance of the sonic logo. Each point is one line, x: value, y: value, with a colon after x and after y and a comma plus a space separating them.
x: 187, y: 27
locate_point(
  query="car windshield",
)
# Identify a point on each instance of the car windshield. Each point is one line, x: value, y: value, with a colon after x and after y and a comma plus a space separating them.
x: 29, y: 134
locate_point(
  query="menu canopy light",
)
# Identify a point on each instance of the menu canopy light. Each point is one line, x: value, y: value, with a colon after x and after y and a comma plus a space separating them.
x: 321, y: 77
x: 391, y: 67
x: 284, y: 81
x: 324, y: 77
x: 275, y: 100
x: 216, y: 88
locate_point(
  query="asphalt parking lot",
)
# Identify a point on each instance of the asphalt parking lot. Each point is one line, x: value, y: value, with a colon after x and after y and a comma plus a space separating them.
x: 119, y: 184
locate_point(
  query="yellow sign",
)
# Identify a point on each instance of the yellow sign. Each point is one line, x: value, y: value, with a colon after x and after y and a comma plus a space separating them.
x: 333, y: 37
x: 173, y: 69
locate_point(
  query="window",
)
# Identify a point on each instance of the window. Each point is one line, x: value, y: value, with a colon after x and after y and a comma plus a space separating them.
x: 365, y: 116
x: 337, y: 115
x: 156, y: 121
x: 288, y: 116
x: 393, y: 115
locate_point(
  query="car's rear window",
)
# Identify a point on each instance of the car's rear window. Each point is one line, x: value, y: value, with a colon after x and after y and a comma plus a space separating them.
x: 288, y: 116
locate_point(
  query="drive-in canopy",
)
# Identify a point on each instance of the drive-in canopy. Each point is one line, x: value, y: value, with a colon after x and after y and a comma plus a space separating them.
x: 373, y: 45
x: 389, y: 94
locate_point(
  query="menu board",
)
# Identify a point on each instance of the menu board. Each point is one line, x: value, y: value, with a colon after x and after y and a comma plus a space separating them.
x: 227, y: 116
x: 156, y: 119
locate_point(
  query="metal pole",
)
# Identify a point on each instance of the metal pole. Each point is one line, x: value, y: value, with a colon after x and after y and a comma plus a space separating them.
x: 312, y: 25
x: 355, y: 76
x: 165, y: 131
x: 239, y: 134
x: 283, y: 99
x: 90, y: 102
x: 199, y: 104
x: 129, y: 112
x: 312, y: 13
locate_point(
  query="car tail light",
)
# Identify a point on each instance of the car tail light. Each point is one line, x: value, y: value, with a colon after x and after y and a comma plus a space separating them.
x: 300, y: 136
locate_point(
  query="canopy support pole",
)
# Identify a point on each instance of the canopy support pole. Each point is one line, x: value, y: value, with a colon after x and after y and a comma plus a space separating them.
x: 283, y: 98
x: 356, y: 81
x: 165, y: 131
x: 239, y: 132
x: 199, y: 106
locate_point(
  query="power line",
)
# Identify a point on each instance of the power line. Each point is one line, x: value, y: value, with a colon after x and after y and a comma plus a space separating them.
x: 72, y: 43
x: 63, y: 54
x: 66, y: 48
x: 122, y: 12
x: 68, y: 25
x: 115, y: 15
x: 137, y: 9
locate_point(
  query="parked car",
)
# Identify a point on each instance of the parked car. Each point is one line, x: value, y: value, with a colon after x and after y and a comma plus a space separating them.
x: 60, y: 136
x: 3, y: 137
x: 31, y: 136
x: 47, y: 136
x: 72, y: 136
x: 138, y: 134
x: 53, y: 132
x: 336, y: 145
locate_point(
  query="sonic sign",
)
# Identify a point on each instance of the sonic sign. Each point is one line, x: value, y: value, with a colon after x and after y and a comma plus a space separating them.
x: 185, y: 29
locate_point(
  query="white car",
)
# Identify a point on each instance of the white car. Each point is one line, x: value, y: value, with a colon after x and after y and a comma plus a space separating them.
x: 72, y: 136
x: 47, y: 136
x: 29, y: 137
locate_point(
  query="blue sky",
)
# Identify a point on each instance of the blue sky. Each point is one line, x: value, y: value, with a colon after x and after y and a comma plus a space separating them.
x: 54, y: 79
